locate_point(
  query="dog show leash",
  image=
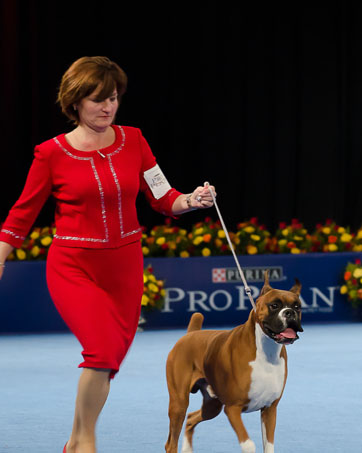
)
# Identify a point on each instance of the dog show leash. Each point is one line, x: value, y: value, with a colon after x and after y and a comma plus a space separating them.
x: 246, y: 287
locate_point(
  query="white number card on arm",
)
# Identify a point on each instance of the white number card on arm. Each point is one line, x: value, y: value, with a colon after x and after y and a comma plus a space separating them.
x: 157, y: 182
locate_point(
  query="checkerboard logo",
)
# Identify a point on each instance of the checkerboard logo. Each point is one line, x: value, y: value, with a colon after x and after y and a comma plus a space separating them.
x: 219, y: 275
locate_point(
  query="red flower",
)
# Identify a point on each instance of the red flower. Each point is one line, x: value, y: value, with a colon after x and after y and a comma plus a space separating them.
x: 347, y: 275
x: 332, y: 239
x: 208, y: 219
x: 282, y: 225
x: 329, y: 222
x: 164, y: 246
x: 291, y: 245
x: 358, y: 261
x: 254, y: 220
x: 319, y: 226
x: 168, y: 221
x: 354, y: 282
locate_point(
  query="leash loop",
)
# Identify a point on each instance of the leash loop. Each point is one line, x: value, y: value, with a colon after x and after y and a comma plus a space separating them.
x: 246, y: 287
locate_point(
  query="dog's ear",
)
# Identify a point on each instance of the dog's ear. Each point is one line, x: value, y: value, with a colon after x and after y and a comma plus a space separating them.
x: 266, y: 288
x: 297, y: 287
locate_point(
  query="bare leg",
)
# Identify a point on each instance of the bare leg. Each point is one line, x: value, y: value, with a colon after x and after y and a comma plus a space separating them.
x: 93, y: 389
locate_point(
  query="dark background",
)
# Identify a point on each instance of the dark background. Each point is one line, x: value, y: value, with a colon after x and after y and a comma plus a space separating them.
x: 264, y: 102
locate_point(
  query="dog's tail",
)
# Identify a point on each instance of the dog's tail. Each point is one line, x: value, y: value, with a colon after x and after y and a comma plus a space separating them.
x: 195, y: 322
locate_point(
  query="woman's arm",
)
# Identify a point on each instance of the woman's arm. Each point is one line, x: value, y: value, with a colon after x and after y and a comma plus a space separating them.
x: 5, y: 250
x: 200, y: 198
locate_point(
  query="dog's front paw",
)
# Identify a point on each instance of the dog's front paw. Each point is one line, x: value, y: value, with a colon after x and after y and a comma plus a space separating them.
x: 248, y: 446
x: 186, y: 447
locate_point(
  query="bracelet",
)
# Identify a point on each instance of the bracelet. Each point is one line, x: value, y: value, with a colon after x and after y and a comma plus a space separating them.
x: 188, y: 201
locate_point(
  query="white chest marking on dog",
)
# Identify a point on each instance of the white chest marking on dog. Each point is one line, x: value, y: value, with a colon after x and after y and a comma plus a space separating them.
x: 268, y: 371
x: 248, y: 446
x: 186, y: 447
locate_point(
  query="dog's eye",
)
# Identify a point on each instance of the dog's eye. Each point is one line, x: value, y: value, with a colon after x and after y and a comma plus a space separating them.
x: 274, y: 306
x: 296, y: 307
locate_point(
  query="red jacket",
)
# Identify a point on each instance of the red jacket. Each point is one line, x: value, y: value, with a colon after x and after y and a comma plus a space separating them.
x: 95, y: 192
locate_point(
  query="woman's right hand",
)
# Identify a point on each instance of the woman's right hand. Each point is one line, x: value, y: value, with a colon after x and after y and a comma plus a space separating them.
x: 5, y: 250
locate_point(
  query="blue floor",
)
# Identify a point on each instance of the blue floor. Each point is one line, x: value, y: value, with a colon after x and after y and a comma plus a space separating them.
x: 321, y: 410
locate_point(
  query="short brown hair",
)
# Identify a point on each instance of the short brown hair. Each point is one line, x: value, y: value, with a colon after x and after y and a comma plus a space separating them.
x: 84, y: 76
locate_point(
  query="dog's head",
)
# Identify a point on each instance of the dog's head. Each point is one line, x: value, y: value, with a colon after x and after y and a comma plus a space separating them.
x: 279, y: 312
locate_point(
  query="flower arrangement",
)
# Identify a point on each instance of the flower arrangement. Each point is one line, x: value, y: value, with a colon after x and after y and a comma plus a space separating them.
x: 153, y: 291
x: 207, y: 238
x: 352, y: 286
x: 330, y: 237
x: 35, y: 246
x: 357, y: 243
x: 293, y: 238
x: 165, y: 240
x: 251, y: 238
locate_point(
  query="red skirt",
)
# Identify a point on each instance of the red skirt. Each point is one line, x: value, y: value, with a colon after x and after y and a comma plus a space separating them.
x: 98, y: 294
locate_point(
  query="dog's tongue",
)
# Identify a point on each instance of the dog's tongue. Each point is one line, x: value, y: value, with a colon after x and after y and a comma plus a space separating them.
x: 288, y: 333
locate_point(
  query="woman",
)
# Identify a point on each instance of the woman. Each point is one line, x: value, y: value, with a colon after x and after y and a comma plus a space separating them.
x: 95, y: 264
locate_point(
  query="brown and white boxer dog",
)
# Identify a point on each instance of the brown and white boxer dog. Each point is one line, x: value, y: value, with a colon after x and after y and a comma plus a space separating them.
x: 244, y: 369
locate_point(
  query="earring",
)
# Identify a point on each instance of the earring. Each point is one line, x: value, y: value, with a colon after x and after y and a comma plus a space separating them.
x: 74, y: 107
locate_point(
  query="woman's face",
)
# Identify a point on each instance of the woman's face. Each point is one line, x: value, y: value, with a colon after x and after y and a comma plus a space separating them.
x: 96, y: 114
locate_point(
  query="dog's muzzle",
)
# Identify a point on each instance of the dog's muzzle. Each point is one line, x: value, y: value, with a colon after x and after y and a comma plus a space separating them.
x: 283, y: 330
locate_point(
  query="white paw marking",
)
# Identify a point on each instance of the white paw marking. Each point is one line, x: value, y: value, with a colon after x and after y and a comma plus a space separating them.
x: 248, y: 446
x: 186, y: 447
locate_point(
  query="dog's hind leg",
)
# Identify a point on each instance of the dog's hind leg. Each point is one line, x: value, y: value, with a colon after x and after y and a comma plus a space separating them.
x: 176, y: 412
x: 211, y: 407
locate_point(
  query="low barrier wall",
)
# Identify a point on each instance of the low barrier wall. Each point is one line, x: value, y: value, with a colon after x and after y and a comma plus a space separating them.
x: 209, y: 285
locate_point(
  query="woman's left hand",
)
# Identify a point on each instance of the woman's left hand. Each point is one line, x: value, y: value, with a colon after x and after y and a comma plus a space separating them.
x: 201, y: 197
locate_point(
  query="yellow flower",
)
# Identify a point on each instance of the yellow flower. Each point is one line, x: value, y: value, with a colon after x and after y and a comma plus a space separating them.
x: 285, y: 232
x: 145, y: 250
x: 255, y: 237
x: 249, y: 229
x: 332, y: 247
x: 343, y: 289
x: 47, y: 240
x: 357, y: 273
x: 145, y: 278
x: 359, y: 234
x: 184, y: 254
x: 197, y: 240
x: 295, y: 251
x: 218, y: 242
x: 357, y: 248
x: 237, y: 241
x: 145, y: 300
x: 199, y: 231
x: 152, y: 278
x: 20, y: 254
x: 54, y: 230
x: 304, y: 231
x: 326, y: 230
x: 221, y: 234
x: 251, y: 249
x: 163, y: 292
x: 206, y: 252
x: 298, y: 238
x: 183, y: 232
x: 341, y: 230
x: 346, y: 237
x: 154, y: 288
x: 35, y: 251
x: 161, y: 240
x: 34, y: 235
x: 282, y: 242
